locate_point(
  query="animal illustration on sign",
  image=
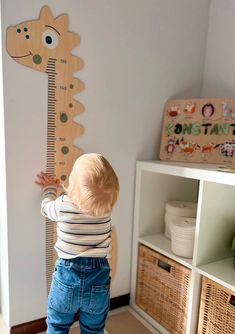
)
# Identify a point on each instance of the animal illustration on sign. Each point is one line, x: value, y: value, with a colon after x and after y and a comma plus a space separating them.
x: 207, y: 148
x: 174, y: 111
x: 227, y: 110
x: 190, y: 108
x: 188, y: 148
x: 227, y: 149
x: 45, y: 45
x: 170, y: 145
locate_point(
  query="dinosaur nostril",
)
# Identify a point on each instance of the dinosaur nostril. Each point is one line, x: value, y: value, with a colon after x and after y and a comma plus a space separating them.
x: 63, y: 177
x: 37, y: 59
x: 27, y: 36
x: 63, y: 117
x: 18, y: 30
x: 65, y: 150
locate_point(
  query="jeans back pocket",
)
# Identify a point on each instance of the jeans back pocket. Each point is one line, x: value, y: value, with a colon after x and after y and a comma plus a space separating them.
x: 61, y: 297
x: 100, y: 299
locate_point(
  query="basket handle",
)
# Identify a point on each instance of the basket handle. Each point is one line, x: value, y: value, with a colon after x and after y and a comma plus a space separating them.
x: 232, y: 300
x: 164, y: 265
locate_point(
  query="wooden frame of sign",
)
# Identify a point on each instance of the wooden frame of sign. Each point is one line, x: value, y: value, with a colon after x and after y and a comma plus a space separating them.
x: 199, y: 130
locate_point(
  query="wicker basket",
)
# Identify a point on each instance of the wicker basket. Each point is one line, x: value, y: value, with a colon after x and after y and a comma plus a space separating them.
x: 162, y: 289
x: 217, y: 309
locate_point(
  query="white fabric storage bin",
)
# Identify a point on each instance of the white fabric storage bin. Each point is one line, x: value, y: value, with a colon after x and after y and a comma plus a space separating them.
x: 182, y: 237
x: 182, y: 209
x: 169, y: 219
x: 175, y: 210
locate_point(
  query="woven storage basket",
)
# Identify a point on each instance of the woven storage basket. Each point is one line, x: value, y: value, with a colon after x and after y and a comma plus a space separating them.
x: 217, y: 314
x: 162, y: 289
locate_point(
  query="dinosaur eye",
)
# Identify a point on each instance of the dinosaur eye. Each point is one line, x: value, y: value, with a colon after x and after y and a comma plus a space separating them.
x: 50, y: 38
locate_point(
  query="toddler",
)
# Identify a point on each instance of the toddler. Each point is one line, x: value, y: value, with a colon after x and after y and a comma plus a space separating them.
x: 81, y: 280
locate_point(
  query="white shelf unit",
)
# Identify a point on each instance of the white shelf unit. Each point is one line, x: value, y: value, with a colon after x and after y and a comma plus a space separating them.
x: 158, y: 182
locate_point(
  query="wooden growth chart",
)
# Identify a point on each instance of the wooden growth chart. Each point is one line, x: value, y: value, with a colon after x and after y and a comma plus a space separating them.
x: 199, y: 130
x: 45, y: 45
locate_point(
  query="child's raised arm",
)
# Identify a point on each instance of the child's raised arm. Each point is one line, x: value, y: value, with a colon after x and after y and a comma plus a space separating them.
x: 49, y: 186
x: 44, y: 180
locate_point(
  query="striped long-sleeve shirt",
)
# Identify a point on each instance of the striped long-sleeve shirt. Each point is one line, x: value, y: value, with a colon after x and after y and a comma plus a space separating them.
x: 77, y: 234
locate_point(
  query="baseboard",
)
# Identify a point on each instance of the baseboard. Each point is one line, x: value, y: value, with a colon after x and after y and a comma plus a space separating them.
x: 119, y: 301
x: 31, y: 327
x: 39, y: 325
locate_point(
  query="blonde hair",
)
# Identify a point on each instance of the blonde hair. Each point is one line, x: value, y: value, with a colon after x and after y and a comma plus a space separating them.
x: 93, y: 185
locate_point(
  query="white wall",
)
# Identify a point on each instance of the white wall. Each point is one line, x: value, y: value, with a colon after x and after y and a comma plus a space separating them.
x: 138, y: 53
x: 219, y: 78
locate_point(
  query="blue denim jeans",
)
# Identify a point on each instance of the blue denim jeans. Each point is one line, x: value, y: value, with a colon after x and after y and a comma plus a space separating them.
x: 82, y: 286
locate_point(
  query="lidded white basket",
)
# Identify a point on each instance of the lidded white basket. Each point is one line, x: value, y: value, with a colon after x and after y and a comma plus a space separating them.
x: 175, y: 210
x: 169, y: 219
x: 182, y: 209
x: 182, y: 237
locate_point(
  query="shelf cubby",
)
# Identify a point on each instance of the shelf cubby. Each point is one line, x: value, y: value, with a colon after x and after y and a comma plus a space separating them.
x: 158, y: 182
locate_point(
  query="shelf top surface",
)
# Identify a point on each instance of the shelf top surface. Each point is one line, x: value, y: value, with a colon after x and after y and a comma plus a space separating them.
x: 204, y: 172
x: 221, y: 271
x: 161, y: 244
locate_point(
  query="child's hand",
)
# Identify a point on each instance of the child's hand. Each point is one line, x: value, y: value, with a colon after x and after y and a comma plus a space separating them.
x: 44, y: 180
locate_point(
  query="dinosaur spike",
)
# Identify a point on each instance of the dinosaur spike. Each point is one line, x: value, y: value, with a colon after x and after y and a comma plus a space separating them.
x: 76, y: 151
x: 62, y: 21
x: 76, y: 86
x: 46, y: 14
x: 76, y: 63
x: 77, y: 107
x: 69, y: 87
x: 73, y: 39
x: 78, y: 129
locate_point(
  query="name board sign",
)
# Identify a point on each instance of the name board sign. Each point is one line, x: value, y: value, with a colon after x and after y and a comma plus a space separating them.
x: 199, y: 130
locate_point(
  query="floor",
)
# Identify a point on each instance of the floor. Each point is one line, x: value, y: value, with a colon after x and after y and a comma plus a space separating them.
x: 126, y: 323
x: 121, y: 321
